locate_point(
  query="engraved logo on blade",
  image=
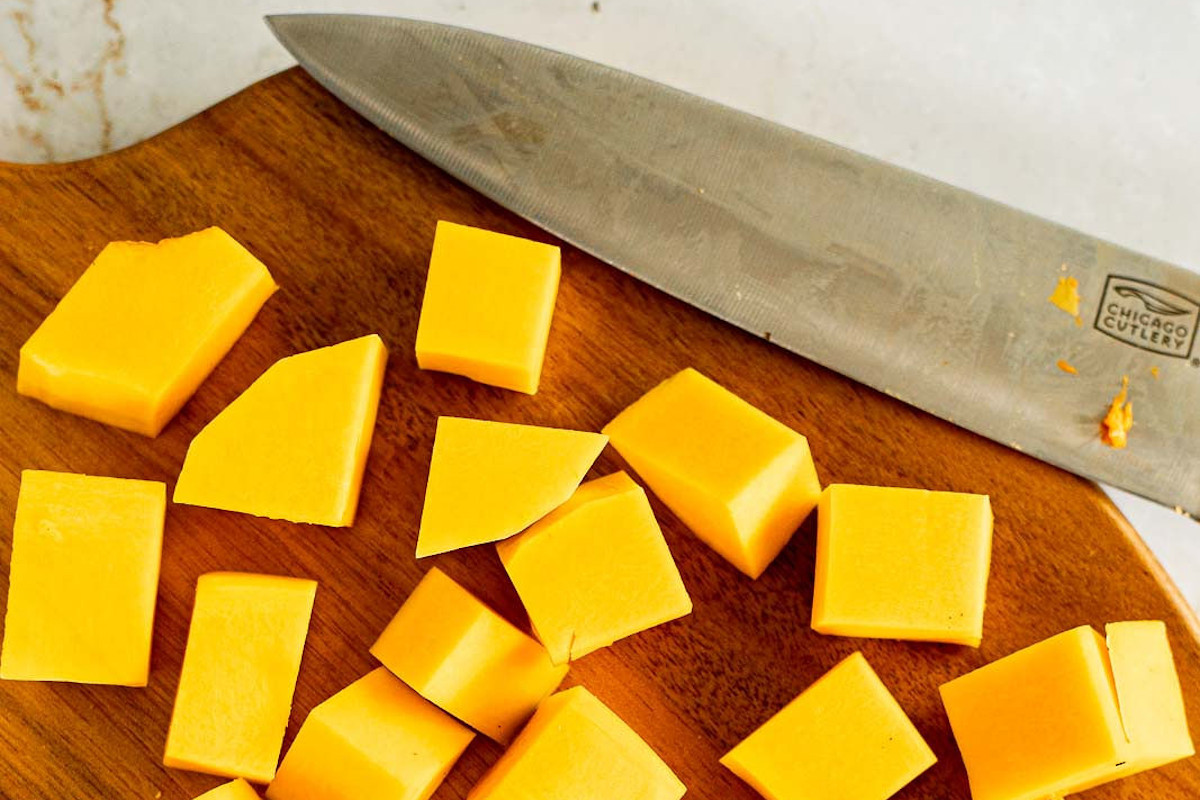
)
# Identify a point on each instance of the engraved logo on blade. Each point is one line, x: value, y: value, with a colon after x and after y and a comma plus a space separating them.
x: 1148, y: 316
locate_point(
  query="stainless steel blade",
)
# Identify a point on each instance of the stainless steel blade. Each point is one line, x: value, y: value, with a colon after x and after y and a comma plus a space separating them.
x: 927, y: 292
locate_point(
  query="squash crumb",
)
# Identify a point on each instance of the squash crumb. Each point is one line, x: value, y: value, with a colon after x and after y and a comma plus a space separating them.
x: 1066, y: 366
x: 1154, y: 372
x: 1066, y: 297
x: 1114, y: 428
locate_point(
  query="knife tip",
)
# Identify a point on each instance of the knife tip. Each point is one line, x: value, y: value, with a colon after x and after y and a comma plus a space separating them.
x: 285, y: 26
x: 274, y: 21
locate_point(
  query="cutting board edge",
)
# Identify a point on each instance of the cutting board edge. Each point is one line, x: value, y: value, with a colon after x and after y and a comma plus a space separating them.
x: 49, y: 167
x: 1188, y: 614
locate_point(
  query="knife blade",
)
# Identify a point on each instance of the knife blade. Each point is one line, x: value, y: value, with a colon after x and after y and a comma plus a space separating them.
x: 929, y: 293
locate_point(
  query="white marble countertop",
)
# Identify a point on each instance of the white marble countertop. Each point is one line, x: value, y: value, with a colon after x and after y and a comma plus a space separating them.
x: 1083, y: 112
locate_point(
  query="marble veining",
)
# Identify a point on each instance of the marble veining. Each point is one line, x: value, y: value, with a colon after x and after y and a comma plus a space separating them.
x: 48, y: 89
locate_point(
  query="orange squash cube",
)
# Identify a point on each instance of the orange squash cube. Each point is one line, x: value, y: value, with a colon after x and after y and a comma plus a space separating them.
x: 488, y: 303
x: 467, y: 659
x: 741, y: 480
x: 595, y: 570
x: 1149, y: 695
x: 234, y: 790
x: 375, y: 739
x: 902, y: 564
x: 1069, y: 713
x: 576, y: 748
x: 845, y: 736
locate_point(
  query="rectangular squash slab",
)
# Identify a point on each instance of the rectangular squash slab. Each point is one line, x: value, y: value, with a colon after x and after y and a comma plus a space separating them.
x: 143, y: 327
x: 239, y: 672
x: 83, y: 579
x: 489, y: 299
x: 742, y: 481
x: 902, y: 564
x: 576, y: 748
x: 376, y: 739
x: 595, y: 570
x: 843, y: 737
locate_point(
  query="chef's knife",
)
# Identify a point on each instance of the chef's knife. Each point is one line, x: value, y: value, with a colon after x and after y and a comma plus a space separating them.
x: 924, y: 291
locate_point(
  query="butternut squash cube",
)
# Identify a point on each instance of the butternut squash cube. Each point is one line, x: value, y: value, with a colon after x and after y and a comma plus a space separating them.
x: 488, y: 303
x: 142, y: 328
x: 490, y: 480
x: 1149, y: 698
x: 467, y: 659
x: 1149, y: 695
x: 234, y: 790
x: 902, y: 564
x: 83, y: 579
x: 294, y: 445
x: 239, y: 672
x: 595, y: 570
x: 576, y: 748
x: 1069, y: 713
x: 844, y: 736
x: 742, y: 481
x: 376, y: 739
x: 1038, y: 722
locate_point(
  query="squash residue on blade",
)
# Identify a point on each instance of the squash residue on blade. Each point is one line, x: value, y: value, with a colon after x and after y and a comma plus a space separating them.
x: 1066, y: 297
x: 1114, y: 428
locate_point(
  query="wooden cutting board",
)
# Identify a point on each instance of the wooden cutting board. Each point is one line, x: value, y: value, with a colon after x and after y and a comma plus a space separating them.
x: 344, y: 218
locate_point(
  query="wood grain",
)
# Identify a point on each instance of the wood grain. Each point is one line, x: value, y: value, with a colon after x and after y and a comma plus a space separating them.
x: 344, y: 218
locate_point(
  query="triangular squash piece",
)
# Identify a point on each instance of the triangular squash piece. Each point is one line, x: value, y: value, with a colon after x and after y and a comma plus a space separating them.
x: 294, y: 444
x: 490, y: 480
